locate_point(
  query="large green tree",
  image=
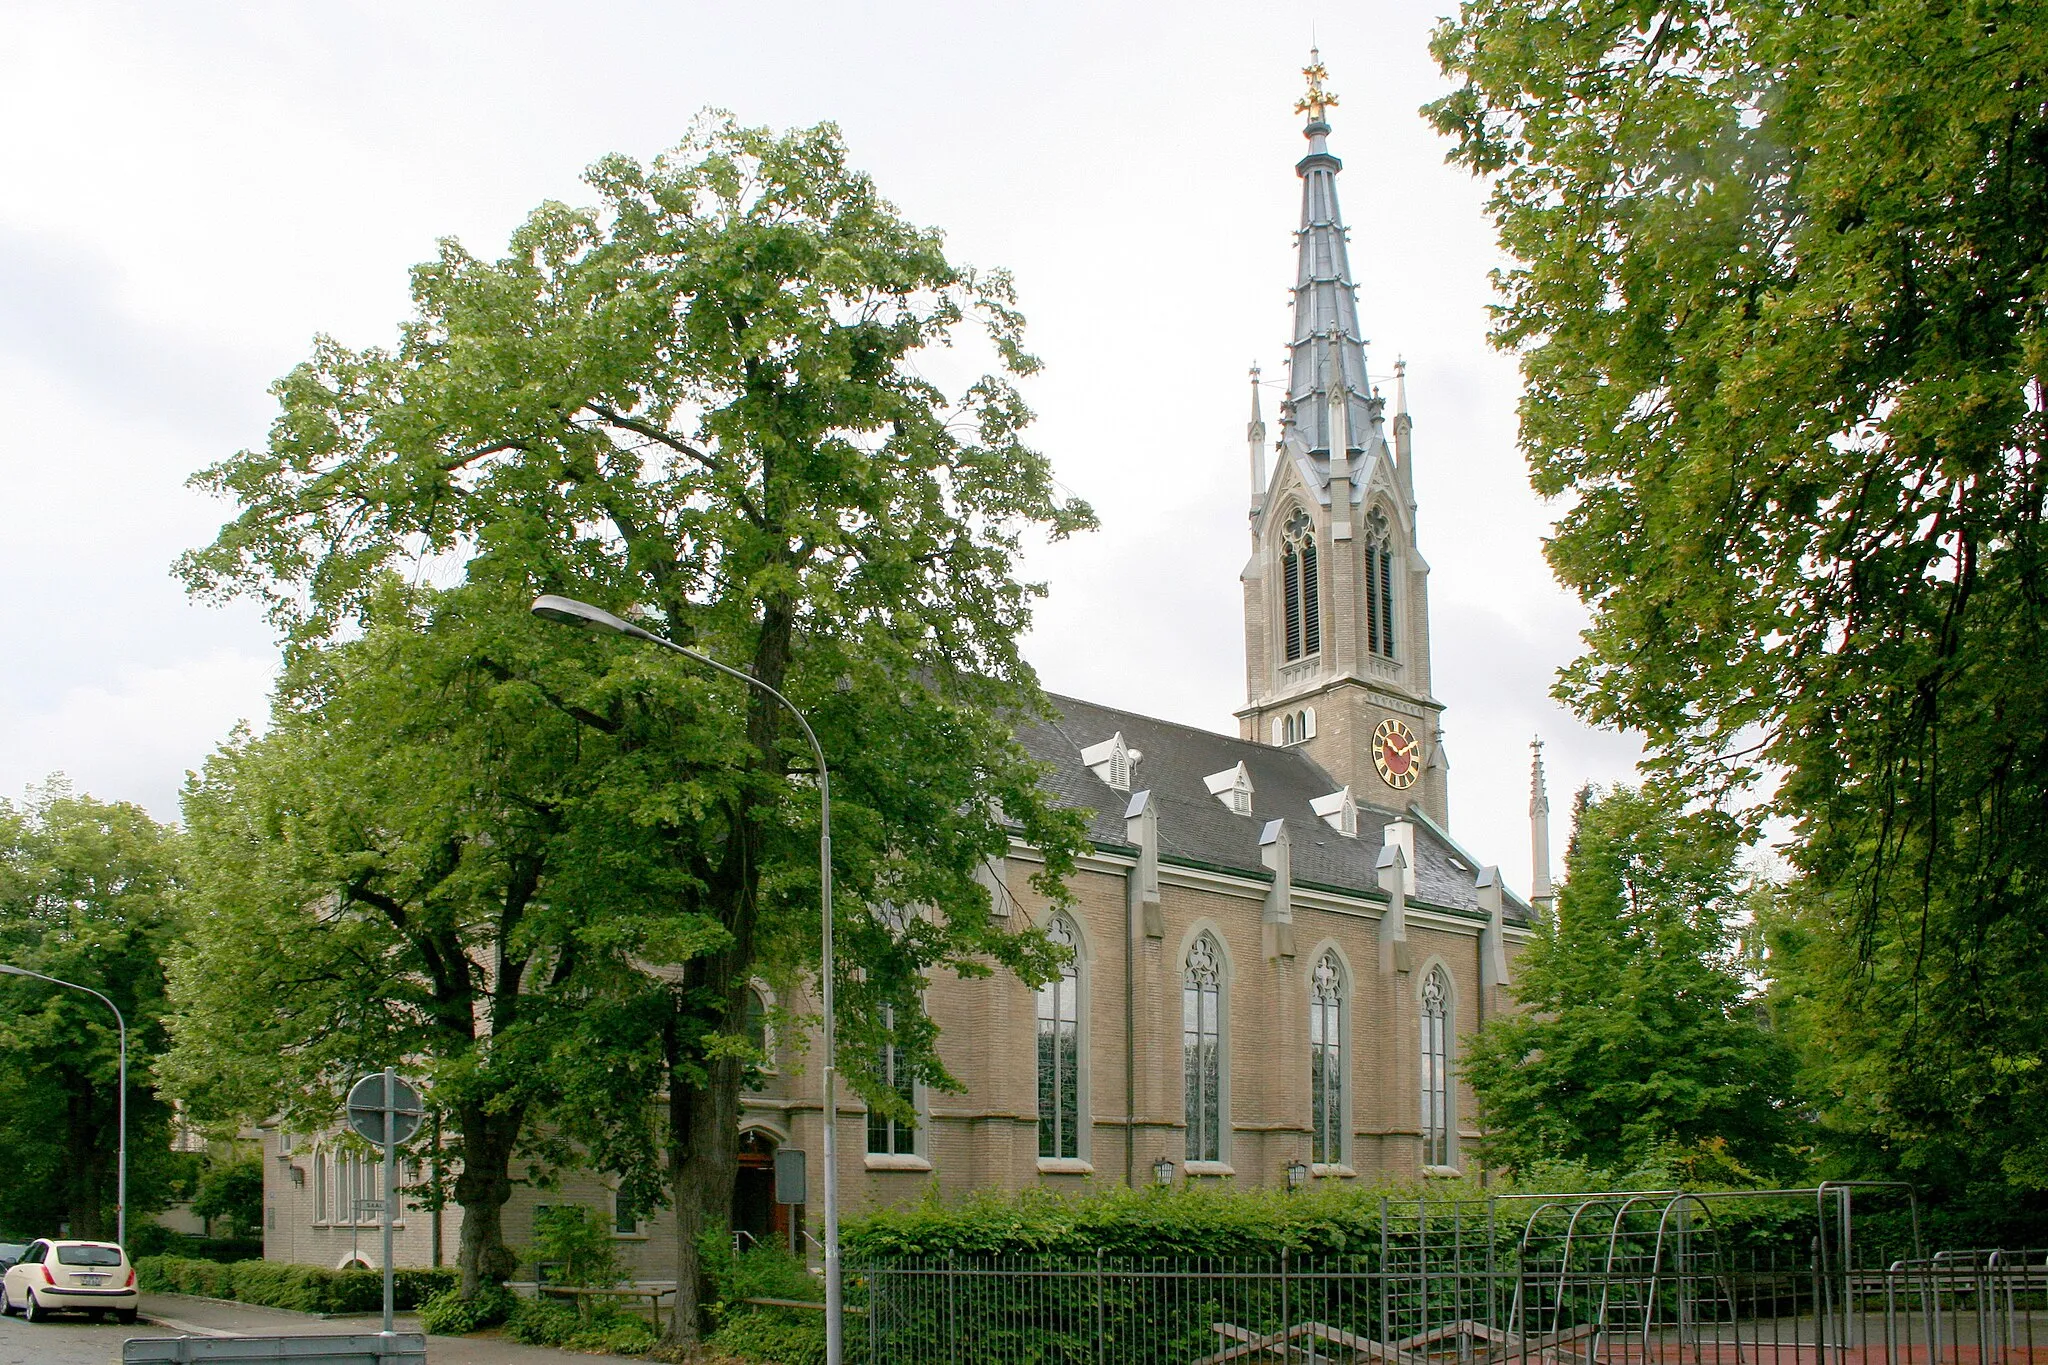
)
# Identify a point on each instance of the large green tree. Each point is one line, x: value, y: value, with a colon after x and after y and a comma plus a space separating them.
x: 88, y: 894
x: 1639, y: 1038
x: 1779, y: 284
x: 395, y: 873
x: 712, y: 400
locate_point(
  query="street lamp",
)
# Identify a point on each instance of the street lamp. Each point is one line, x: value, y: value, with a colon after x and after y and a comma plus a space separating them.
x: 121, y: 1160
x: 569, y: 611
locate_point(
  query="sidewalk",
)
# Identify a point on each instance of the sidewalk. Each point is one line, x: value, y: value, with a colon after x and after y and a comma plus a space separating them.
x: 178, y: 1314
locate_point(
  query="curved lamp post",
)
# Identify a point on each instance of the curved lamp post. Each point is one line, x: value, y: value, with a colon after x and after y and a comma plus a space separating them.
x: 121, y: 1160
x: 569, y: 611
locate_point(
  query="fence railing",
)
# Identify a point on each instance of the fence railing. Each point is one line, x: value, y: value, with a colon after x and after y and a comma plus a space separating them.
x: 1692, y: 1305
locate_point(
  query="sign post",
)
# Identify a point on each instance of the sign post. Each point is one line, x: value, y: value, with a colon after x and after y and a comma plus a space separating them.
x: 387, y: 1111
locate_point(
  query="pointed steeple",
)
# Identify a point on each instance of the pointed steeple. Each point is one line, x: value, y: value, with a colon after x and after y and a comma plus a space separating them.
x: 1403, y: 425
x: 1541, y: 893
x: 1255, y: 435
x: 1327, y: 353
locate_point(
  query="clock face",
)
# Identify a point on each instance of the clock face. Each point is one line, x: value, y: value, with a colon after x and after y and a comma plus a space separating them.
x: 1397, y: 754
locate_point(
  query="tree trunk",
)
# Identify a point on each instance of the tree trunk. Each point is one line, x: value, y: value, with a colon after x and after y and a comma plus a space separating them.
x: 704, y: 1130
x: 482, y: 1187
x: 86, y: 1193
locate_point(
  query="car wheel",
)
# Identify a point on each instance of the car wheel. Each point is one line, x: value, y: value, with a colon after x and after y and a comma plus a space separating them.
x: 6, y: 1304
x: 125, y: 1316
x: 34, y: 1310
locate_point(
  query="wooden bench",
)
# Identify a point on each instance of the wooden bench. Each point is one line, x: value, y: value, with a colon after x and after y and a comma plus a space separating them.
x: 581, y: 1296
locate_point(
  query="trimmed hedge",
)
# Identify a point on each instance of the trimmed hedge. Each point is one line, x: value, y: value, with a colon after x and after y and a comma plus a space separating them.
x: 301, y: 1288
x: 154, y: 1239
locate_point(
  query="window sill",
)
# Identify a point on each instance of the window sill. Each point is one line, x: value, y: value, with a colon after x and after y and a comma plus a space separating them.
x: 629, y: 1237
x: 906, y: 1161
x: 1443, y: 1172
x: 1065, y: 1165
x: 1197, y: 1169
x: 1322, y: 1169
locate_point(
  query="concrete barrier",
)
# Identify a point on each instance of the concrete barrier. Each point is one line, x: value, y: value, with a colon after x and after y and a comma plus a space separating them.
x: 369, y: 1348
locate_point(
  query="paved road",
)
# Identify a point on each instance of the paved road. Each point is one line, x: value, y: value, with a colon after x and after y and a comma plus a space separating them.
x: 75, y: 1341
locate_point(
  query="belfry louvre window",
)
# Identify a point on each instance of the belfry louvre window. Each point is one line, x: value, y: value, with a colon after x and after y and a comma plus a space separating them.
x: 1059, y: 1051
x: 1436, y: 1069
x: 1300, y: 593
x: 1202, y: 1049
x: 1379, y: 587
x: 1326, y: 1062
x: 887, y: 1136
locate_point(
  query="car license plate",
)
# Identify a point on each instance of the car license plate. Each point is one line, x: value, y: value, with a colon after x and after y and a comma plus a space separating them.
x: 92, y: 1279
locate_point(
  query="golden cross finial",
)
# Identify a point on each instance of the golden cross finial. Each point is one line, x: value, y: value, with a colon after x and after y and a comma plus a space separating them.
x: 1317, y: 99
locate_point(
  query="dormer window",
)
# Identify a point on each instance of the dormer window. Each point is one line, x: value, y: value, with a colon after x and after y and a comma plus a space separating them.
x: 1339, y: 811
x: 1111, y: 761
x: 1379, y: 586
x: 1300, y: 591
x: 1233, y: 787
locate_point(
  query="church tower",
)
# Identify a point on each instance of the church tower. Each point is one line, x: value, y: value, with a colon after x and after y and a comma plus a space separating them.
x: 1336, y: 597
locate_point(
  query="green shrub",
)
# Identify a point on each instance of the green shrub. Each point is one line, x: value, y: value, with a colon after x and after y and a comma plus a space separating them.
x: 601, y: 1327
x: 448, y: 1314
x: 154, y: 1239
x: 301, y: 1288
x: 774, y: 1336
x: 575, y: 1242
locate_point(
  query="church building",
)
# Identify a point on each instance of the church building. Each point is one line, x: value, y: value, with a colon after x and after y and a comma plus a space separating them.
x: 1277, y: 942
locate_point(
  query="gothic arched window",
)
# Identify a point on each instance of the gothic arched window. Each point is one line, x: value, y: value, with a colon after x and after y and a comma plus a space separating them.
x: 1326, y: 1061
x: 1202, y: 1049
x: 1379, y: 586
x: 890, y: 1136
x: 1059, y: 1050
x: 1436, y: 1068
x: 1300, y: 591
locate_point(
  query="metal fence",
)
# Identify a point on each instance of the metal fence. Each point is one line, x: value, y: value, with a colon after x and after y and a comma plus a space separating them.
x: 1626, y: 1279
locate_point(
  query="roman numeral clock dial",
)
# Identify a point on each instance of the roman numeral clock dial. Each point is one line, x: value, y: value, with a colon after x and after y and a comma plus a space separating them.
x: 1397, y: 754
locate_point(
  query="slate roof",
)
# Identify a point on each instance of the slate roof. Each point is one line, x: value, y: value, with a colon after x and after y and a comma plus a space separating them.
x: 1196, y: 827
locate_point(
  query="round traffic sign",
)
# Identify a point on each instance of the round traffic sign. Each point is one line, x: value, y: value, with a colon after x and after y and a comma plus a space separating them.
x: 367, y: 1108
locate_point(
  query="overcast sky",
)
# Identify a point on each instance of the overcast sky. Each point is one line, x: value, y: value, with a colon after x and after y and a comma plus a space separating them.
x: 189, y: 192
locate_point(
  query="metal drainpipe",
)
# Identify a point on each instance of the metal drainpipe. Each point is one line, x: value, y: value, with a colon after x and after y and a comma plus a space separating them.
x: 1130, y: 1023
x: 1479, y: 965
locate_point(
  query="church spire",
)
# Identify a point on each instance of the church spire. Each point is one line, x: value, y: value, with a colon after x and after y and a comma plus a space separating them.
x: 1255, y: 435
x: 1327, y: 355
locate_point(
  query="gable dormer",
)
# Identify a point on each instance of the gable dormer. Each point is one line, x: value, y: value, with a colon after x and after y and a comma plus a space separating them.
x: 1233, y: 787
x: 1338, y: 810
x: 1111, y: 761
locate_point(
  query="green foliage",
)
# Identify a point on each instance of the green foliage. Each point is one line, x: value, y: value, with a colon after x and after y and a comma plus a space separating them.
x: 1780, y: 291
x: 1188, y: 1222
x: 233, y: 1191
x: 706, y: 401
x: 448, y: 1314
x: 89, y: 894
x: 154, y: 1239
x: 575, y: 1242
x: 1638, y: 1039
x: 597, y: 1328
x: 774, y: 1335
x: 301, y: 1288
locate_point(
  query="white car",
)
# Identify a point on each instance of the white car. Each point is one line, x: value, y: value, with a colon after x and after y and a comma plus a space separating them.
x: 70, y: 1277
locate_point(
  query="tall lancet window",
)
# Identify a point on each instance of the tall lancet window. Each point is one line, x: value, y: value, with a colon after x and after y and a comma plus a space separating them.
x: 1201, y: 1004
x: 1326, y: 1061
x: 1300, y: 592
x: 1379, y: 586
x: 1059, y: 1051
x: 1436, y: 1069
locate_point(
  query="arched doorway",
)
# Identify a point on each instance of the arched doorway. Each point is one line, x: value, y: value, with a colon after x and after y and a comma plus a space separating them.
x: 756, y: 1218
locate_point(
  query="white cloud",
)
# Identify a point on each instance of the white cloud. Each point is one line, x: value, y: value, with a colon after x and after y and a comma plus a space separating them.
x: 133, y: 737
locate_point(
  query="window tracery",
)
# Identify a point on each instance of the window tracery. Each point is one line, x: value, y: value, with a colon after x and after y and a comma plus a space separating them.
x: 1059, y: 1050
x: 1436, y: 1069
x: 1326, y: 1061
x: 1379, y: 586
x: 1202, y: 1049
x: 1300, y: 588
